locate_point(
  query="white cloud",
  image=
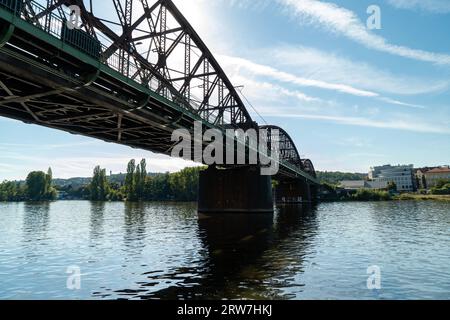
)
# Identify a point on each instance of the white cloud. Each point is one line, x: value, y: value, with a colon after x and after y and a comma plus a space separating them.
x: 434, y: 6
x: 339, y: 70
x: 237, y: 64
x: 395, y: 124
x: 346, y: 23
x: 333, y: 68
x: 266, y: 91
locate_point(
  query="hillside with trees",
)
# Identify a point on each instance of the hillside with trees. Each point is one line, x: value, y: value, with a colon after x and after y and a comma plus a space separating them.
x: 334, y: 178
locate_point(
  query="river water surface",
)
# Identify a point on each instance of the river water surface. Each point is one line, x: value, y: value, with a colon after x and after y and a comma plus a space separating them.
x: 168, y: 251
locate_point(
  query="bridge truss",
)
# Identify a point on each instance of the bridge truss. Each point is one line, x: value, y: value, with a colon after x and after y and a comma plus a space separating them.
x: 167, y: 76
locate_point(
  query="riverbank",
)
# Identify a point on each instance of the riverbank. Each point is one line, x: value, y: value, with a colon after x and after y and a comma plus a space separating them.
x: 422, y: 197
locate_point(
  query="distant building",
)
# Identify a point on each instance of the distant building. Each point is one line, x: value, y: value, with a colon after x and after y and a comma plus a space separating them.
x: 362, y: 184
x: 352, y: 185
x: 420, y: 177
x: 402, y: 176
x: 434, y: 175
x: 428, y: 177
x: 377, y: 185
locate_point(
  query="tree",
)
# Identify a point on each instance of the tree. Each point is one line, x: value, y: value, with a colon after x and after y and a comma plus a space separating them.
x: 335, y: 178
x: 11, y: 191
x: 99, y: 186
x: 138, y: 183
x: 142, y: 180
x: 38, y: 186
x: 442, y: 188
x: 441, y: 183
x: 130, y: 182
x: 49, y: 179
x: 392, y: 187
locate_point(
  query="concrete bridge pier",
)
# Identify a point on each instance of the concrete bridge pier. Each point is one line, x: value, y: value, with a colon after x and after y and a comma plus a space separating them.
x: 235, y: 190
x: 295, y: 191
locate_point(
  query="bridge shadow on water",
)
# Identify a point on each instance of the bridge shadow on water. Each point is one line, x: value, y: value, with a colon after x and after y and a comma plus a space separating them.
x: 248, y: 256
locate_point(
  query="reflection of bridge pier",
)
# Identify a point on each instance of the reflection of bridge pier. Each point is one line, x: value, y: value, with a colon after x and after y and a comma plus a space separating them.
x: 245, y: 255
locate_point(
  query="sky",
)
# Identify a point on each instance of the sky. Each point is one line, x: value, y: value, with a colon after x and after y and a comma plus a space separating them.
x: 351, y: 97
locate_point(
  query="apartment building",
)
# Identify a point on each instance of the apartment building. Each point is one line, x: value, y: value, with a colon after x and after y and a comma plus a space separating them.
x: 402, y: 175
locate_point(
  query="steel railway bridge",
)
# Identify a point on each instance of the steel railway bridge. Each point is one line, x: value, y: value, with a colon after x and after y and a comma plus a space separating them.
x: 131, y: 74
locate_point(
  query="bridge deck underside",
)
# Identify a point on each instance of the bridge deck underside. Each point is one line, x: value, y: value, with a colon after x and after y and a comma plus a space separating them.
x: 34, y: 96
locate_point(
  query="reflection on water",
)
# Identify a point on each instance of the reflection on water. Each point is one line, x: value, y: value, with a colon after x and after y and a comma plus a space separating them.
x: 134, y: 229
x: 36, y: 220
x: 97, y: 221
x: 168, y: 251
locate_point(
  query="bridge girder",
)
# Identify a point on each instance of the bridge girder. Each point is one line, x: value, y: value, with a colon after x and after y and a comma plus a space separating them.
x: 153, y: 43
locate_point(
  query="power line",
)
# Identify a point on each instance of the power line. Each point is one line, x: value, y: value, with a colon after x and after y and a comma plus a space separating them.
x: 240, y: 88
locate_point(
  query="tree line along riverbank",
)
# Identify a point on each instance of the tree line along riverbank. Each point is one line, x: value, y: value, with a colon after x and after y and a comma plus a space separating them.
x: 139, y: 185
x: 136, y: 185
x: 331, y: 192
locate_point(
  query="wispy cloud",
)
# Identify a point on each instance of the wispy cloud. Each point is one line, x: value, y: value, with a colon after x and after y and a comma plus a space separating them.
x: 268, y: 91
x: 346, y: 23
x: 331, y: 67
x: 238, y: 67
x: 396, y: 124
x: 434, y: 6
x: 358, y: 142
x: 267, y: 71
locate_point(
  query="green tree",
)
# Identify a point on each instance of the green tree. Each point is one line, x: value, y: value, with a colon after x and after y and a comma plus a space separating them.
x: 442, y: 188
x: 441, y: 183
x: 335, y: 178
x: 392, y: 187
x: 142, y: 180
x: 138, y: 183
x: 158, y: 188
x: 38, y: 186
x: 371, y: 195
x: 99, y: 186
x: 130, y: 182
x: 11, y: 191
x: 48, y: 182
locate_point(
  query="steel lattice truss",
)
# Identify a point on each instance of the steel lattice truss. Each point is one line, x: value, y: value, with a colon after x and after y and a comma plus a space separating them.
x: 308, y: 166
x: 152, y: 43
x: 288, y: 150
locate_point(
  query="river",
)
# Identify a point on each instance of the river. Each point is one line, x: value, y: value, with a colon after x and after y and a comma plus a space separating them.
x: 84, y: 250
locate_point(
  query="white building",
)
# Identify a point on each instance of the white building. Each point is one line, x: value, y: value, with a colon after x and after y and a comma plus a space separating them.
x: 402, y: 176
x: 362, y: 184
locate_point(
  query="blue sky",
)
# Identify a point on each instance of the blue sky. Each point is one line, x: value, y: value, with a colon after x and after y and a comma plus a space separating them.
x: 350, y: 97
